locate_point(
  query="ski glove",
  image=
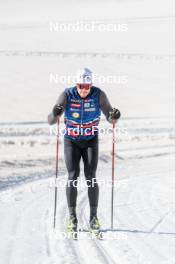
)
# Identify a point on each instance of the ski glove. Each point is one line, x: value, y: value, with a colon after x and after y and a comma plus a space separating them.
x: 115, y: 114
x: 58, y: 110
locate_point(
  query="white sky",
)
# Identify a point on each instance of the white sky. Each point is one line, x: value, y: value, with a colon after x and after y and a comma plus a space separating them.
x: 22, y: 10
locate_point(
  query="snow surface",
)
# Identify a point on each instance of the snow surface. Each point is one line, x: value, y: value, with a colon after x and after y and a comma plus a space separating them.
x: 144, y: 207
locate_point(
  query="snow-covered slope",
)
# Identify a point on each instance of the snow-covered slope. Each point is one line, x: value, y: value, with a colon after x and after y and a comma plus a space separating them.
x: 143, y: 207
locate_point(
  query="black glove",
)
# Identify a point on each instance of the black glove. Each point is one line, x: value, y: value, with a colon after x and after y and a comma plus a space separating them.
x: 57, y: 110
x: 115, y: 114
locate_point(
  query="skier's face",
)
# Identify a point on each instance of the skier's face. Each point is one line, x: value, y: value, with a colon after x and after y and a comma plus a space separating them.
x: 84, y: 89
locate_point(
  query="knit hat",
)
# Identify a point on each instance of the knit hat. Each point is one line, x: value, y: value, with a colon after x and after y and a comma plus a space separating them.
x: 84, y: 76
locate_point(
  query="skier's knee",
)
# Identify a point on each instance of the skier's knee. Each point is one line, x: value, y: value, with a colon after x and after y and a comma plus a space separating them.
x: 73, y: 175
x: 89, y: 175
x: 91, y: 182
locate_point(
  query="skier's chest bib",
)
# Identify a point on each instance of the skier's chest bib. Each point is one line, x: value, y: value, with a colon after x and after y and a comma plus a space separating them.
x: 83, y: 113
x: 82, y: 110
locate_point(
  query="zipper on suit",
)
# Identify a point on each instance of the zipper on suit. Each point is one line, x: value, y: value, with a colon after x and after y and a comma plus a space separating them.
x: 82, y: 106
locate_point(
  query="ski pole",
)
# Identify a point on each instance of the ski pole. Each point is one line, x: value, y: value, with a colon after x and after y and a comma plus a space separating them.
x: 113, y: 170
x: 56, y: 173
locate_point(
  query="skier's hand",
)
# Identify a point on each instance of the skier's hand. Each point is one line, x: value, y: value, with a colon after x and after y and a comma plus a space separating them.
x: 114, y: 114
x: 58, y: 110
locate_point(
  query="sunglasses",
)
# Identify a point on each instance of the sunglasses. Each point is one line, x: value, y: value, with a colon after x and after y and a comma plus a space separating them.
x: 84, y: 86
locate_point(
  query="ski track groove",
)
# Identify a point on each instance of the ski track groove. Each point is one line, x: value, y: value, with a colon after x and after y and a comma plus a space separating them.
x: 18, y: 223
x: 161, y: 220
x: 70, y: 244
x: 100, y: 249
x: 142, y: 240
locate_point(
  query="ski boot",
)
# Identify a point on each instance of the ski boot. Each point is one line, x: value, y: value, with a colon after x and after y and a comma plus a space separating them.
x: 72, y: 228
x: 95, y: 227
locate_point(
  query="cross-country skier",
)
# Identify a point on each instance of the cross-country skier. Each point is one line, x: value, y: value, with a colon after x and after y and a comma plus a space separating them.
x: 82, y: 105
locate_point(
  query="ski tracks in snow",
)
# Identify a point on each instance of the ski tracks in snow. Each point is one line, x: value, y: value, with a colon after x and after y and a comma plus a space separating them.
x: 144, y: 212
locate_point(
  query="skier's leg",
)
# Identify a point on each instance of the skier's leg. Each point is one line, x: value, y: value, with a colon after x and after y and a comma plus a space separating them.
x: 90, y: 158
x: 72, y: 155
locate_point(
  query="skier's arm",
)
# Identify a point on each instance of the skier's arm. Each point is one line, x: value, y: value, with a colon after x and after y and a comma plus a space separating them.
x: 105, y: 106
x: 60, y: 102
x: 109, y: 112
